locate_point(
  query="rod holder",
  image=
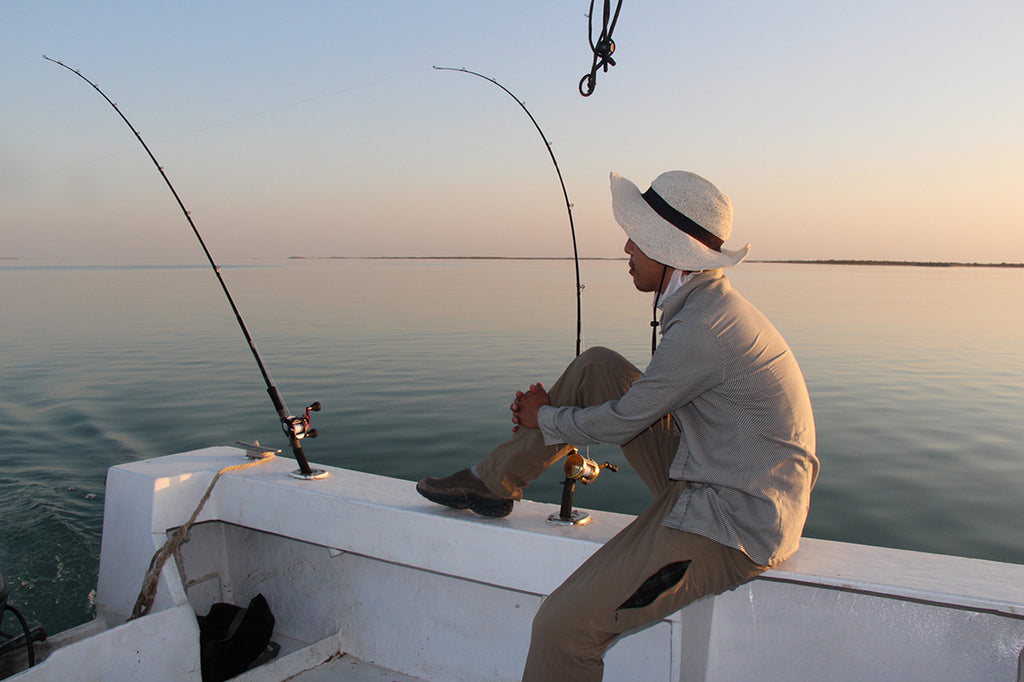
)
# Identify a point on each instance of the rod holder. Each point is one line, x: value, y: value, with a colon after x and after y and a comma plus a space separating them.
x: 312, y: 475
x: 576, y: 468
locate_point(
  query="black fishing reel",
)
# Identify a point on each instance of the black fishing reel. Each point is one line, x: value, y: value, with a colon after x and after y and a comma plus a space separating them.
x: 298, y: 427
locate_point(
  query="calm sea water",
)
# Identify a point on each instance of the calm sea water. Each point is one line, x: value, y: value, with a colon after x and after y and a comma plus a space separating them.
x: 916, y: 375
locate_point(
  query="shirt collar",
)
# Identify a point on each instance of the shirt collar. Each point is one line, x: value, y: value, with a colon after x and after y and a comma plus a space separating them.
x: 675, y: 282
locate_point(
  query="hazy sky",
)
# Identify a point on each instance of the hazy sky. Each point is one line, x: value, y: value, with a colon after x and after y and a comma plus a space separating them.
x: 875, y: 129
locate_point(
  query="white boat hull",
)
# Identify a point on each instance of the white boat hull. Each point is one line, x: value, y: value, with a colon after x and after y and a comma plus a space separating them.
x: 366, y: 578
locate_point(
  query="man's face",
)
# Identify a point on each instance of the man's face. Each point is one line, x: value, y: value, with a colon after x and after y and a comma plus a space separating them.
x: 647, y: 274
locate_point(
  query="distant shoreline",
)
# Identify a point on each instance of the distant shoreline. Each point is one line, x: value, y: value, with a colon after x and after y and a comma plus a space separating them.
x: 831, y: 261
x: 913, y: 263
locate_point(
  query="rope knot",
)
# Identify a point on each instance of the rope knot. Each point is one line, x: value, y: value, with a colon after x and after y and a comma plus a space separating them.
x: 147, y: 594
x: 603, y: 47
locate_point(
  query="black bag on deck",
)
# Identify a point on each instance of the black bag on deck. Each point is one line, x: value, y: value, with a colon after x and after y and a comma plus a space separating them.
x: 231, y: 638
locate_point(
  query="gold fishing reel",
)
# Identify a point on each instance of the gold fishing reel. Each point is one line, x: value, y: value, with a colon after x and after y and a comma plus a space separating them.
x: 583, y: 469
x: 576, y: 468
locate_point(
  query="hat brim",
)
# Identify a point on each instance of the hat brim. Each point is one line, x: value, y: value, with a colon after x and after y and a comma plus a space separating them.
x: 659, y: 239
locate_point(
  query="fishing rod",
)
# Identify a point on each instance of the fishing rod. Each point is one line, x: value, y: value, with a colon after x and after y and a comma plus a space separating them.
x: 568, y: 204
x: 295, y: 428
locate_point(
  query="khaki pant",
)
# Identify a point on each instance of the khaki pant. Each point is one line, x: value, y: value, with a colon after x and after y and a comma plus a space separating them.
x: 646, y: 572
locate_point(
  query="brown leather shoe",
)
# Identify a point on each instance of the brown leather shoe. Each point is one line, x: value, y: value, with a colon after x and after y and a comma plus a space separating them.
x: 463, y: 490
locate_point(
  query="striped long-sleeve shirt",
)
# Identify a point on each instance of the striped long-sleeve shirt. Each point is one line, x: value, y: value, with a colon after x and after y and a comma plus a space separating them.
x: 739, y: 401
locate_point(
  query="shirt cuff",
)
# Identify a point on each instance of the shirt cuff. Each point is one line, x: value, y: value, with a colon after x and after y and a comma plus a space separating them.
x: 545, y: 421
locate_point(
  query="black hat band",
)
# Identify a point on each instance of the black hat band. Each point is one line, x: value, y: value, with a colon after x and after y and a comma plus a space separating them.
x: 687, y: 225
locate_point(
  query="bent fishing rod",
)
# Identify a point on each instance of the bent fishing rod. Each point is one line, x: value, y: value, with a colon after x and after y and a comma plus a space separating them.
x: 565, y: 194
x: 295, y: 427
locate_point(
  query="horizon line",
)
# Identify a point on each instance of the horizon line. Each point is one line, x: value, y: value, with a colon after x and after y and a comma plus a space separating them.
x: 798, y: 261
x: 795, y: 261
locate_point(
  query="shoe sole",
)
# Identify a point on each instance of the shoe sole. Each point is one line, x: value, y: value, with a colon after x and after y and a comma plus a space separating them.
x: 475, y: 503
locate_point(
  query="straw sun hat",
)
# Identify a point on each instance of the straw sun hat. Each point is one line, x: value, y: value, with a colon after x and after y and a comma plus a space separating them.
x: 681, y: 221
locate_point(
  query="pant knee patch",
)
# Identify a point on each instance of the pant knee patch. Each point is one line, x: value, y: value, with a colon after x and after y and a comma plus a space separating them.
x: 666, y: 578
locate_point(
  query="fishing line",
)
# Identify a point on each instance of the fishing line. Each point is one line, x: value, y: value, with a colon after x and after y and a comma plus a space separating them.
x: 568, y: 204
x: 295, y: 428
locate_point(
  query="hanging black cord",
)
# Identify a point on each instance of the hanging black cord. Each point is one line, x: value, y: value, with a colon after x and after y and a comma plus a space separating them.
x: 603, y: 48
x: 26, y: 629
x: 290, y: 424
x: 654, y: 314
x: 568, y: 204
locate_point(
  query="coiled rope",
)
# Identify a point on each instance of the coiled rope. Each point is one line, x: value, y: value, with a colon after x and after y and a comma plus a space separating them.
x: 603, y: 47
x: 152, y: 578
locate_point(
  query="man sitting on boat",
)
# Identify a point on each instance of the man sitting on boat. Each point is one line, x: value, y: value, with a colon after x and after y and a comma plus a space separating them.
x: 719, y: 426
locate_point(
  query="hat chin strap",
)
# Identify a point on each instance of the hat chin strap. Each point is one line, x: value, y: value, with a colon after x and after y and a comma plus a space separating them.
x: 654, y: 313
x: 682, y: 222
